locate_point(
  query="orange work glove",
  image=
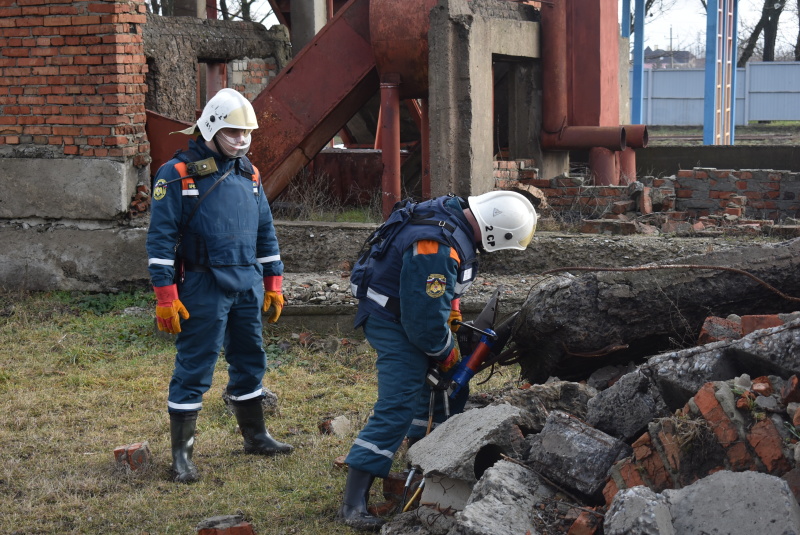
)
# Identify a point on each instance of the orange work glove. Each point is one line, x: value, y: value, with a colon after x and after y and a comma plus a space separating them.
x: 273, y: 297
x: 455, y: 315
x: 451, y: 360
x: 168, y: 308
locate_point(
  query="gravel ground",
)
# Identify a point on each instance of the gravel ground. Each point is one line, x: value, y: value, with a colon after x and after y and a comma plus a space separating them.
x: 333, y: 289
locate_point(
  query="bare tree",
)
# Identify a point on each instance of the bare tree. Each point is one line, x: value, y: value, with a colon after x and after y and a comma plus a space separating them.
x: 768, y: 24
x: 797, y: 42
x: 654, y: 8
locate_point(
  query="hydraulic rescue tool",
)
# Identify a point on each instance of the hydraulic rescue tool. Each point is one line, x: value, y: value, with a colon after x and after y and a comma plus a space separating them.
x: 480, y: 345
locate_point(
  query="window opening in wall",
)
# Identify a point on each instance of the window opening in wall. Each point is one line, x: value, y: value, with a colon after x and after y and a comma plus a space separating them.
x: 211, y: 77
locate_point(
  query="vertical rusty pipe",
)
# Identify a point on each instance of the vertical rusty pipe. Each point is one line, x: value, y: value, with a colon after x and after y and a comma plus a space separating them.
x: 330, y: 9
x: 390, y: 141
x: 554, y: 65
x: 627, y: 166
x: 425, y: 139
x: 602, y: 162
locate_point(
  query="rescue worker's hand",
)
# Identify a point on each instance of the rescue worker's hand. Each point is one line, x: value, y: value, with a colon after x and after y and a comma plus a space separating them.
x: 273, y: 297
x: 451, y: 360
x: 455, y: 314
x: 168, y: 308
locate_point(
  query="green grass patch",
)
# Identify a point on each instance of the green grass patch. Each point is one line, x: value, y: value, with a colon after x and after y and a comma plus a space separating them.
x: 81, y: 374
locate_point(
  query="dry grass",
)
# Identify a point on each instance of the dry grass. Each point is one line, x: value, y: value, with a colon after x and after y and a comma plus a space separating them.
x: 81, y: 375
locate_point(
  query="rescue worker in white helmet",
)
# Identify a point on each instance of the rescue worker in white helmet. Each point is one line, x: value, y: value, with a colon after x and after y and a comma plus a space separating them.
x: 215, y: 266
x: 408, y: 284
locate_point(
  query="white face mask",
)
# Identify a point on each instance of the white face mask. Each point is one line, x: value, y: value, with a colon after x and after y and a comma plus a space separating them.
x: 233, y: 143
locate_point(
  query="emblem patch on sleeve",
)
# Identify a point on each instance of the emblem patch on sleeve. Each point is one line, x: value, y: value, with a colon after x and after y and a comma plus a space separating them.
x: 435, y: 285
x: 160, y: 189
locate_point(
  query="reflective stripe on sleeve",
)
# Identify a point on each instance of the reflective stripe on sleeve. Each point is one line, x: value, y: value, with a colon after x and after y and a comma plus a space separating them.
x: 265, y: 259
x: 160, y: 261
x: 446, y: 345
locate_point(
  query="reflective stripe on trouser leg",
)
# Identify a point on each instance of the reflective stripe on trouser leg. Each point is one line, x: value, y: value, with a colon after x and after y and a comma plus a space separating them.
x: 243, y: 345
x: 401, y: 374
x: 199, y: 341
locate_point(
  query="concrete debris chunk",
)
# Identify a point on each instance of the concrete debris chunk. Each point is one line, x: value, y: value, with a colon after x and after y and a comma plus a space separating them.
x: 574, y: 455
x: 502, y: 502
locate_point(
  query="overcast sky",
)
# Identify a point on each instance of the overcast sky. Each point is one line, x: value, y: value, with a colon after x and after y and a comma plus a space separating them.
x: 687, y: 21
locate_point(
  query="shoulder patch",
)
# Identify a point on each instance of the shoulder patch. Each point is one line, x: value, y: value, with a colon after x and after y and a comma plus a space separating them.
x: 435, y: 285
x: 160, y: 189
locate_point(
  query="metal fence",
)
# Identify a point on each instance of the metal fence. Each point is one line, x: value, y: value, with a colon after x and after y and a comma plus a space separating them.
x: 764, y: 92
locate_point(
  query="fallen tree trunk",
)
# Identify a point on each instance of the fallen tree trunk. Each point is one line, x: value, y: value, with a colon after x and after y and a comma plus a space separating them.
x: 571, y: 325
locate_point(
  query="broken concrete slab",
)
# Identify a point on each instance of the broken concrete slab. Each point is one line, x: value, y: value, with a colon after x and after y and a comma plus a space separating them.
x: 575, y: 456
x: 539, y: 400
x: 668, y: 380
x: 638, y: 510
x: 457, y: 453
x: 502, y: 502
x: 724, y: 502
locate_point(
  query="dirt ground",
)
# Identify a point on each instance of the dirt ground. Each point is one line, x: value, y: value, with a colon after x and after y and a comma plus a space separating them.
x: 318, y: 257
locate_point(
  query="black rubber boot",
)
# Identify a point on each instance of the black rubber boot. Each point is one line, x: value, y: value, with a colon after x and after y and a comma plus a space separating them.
x: 257, y: 440
x: 353, y: 511
x: 182, y: 426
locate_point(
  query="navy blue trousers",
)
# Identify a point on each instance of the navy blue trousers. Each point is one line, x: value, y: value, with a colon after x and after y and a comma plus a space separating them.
x: 403, y: 397
x: 217, y: 320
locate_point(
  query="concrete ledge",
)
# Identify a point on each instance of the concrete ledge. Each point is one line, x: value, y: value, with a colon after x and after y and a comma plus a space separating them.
x: 60, y: 188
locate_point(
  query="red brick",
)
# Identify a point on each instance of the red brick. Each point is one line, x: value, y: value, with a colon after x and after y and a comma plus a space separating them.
x: 135, y: 456
x: 762, y: 386
x: 587, y: 523
x: 609, y: 491
x: 716, y: 329
x: 758, y: 322
x: 791, y: 390
x: 630, y: 474
x: 712, y: 411
x: 766, y: 441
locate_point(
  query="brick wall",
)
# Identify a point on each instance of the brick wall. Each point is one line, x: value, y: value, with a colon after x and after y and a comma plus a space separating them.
x: 250, y: 76
x: 757, y: 194
x: 694, y: 200
x: 72, y: 79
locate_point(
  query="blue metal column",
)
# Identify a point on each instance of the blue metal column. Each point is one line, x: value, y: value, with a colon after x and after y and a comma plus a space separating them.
x: 710, y: 103
x: 637, y: 86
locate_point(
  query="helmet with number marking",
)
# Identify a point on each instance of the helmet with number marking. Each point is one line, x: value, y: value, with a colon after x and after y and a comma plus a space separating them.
x: 227, y: 109
x: 507, y: 220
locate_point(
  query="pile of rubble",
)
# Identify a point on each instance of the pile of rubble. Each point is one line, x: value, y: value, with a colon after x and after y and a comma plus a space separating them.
x: 684, y: 443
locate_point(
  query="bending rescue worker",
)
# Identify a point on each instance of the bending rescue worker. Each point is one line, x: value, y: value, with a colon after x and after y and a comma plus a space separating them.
x: 421, y: 261
x: 215, y: 266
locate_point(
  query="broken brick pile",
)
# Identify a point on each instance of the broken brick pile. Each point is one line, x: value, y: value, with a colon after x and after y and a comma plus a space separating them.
x: 698, y: 201
x: 735, y: 425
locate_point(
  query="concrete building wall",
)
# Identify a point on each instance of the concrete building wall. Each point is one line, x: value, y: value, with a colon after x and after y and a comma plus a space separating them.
x: 76, y: 80
x: 73, y: 87
x: 463, y: 38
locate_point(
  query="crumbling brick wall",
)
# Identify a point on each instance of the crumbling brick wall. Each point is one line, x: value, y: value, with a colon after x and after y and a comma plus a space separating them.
x: 252, y: 55
x: 73, y: 79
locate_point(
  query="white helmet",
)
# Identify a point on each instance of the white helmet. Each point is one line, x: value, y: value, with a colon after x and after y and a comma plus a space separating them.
x: 507, y: 219
x: 227, y: 109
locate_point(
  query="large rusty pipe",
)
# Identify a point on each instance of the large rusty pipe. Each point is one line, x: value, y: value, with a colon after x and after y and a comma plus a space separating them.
x: 636, y: 135
x: 554, y: 66
x: 586, y: 137
x: 603, y: 164
x: 390, y: 142
x: 556, y: 133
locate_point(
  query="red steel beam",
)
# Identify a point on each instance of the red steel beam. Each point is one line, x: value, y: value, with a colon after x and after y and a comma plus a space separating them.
x: 310, y: 101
